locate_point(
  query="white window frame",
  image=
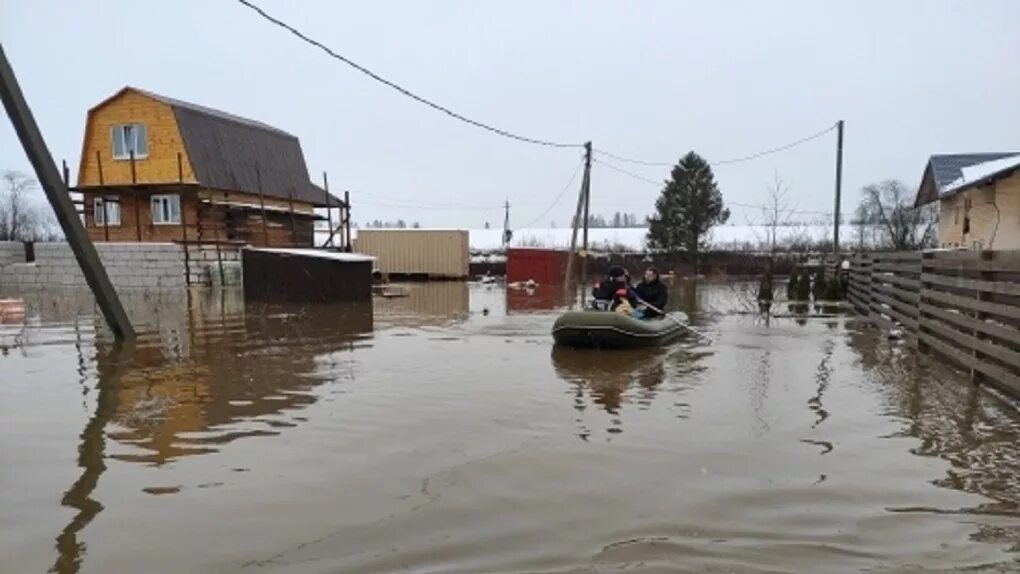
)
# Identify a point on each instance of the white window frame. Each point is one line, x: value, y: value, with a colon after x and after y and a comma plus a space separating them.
x: 166, y: 212
x: 135, y: 128
x: 112, y: 210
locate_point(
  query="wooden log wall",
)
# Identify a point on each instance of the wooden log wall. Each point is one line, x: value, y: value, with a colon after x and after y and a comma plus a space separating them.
x: 963, y: 306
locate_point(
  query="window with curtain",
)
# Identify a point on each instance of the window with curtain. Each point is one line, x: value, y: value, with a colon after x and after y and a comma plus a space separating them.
x: 166, y: 209
x: 112, y: 214
x: 128, y: 138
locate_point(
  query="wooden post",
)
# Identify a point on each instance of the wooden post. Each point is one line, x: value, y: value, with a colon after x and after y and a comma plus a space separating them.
x: 134, y: 194
x: 839, y: 185
x: 984, y: 274
x: 67, y: 216
x: 568, y: 280
x: 184, y: 221
x: 347, y: 222
x: 290, y: 210
x: 329, y: 211
x: 262, y: 203
x: 216, y: 238
x: 102, y: 184
x: 587, y: 204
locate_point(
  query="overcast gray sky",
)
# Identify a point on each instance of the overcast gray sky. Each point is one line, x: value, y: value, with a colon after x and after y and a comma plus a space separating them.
x: 646, y: 79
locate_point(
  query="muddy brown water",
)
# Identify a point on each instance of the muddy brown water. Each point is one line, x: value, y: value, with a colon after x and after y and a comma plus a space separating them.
x: 440, y: 433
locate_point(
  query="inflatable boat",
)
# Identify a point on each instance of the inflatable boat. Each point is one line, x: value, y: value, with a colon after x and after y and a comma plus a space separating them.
x: 608, y: 330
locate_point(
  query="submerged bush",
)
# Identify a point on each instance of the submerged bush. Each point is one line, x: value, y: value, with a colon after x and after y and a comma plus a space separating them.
x: 791, y: 285
x: 820, y: 285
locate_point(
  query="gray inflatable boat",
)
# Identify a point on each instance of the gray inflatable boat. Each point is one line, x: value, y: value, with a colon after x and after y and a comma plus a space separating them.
x: 608, y: 330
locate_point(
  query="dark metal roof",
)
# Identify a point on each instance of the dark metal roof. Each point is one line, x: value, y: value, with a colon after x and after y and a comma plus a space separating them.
x: 226, y: 151
x: 944, y: 169
x: 949, y: 168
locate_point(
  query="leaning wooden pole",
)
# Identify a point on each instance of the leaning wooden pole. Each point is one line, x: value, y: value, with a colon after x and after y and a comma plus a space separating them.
x: 106, y: 212
x: 262, y: 204
x: 581, y: 201
x: 184, y: 221
x: 58, y: 196
x: 347, y: 222
x: 293, y: 224
x: 329, y: 210
x: 134, y: 195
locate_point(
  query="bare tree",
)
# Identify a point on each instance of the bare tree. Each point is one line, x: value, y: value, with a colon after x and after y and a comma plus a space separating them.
x: 778, y: 213
x: 890, y: 206
x: 862, y: 222
x: 20, y: 219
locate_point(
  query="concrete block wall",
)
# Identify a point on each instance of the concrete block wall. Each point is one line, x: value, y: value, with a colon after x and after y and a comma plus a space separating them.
x: 129, y: 265
x: 11, y: 252
x: 204, y: 264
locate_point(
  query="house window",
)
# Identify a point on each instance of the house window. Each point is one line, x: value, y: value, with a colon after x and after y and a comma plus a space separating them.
x: 166, y: 209
x: 112, y: 214
x: 128, y: 138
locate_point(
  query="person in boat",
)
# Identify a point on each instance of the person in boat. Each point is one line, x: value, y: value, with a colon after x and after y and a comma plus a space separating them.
x: 607, y: 293
x: 652, y: 295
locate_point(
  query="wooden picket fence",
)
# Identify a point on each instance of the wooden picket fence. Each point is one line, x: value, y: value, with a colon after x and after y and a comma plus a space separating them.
x: 961, y: 305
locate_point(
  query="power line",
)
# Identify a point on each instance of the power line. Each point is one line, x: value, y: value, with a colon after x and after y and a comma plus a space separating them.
x: 402, y: 90
x: 629, y: 173
x: 383, y: 200
x: 395, y: 205
x: 728, y: 203
x: 558, y: 197
x: 725, y: 161
x: 776, y: 149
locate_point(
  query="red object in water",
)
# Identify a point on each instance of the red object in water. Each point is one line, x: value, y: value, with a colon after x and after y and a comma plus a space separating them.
x: 546, y: 267
x: 12, y: 311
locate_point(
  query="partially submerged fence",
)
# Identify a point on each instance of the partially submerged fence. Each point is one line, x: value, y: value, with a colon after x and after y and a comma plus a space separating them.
x: 961, y: 305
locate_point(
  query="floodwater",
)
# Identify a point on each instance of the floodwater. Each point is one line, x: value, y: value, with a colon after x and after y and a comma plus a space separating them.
x: 442, y: 433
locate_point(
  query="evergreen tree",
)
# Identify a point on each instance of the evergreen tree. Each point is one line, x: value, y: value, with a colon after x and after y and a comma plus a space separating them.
x: 689, y: 206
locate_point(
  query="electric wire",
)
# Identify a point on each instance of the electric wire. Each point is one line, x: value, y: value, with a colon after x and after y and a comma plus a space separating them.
x: 558, y: 198
x: 402, y: 90
x: 725, y: 161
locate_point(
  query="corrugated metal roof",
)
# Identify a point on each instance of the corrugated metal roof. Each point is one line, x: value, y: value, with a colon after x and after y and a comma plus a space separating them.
x: 944, y: 169
x: 981, y: 173
x: 226, y: 151
x: 949, y: 168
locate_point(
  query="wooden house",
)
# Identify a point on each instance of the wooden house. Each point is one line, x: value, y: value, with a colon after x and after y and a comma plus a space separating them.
x: 979, y: 199
x: 157, y: 169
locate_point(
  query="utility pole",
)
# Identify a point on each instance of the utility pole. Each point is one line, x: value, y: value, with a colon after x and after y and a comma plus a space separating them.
x: 582, y: 209
x: 839, y: 185
x: 506, y: 223
x: 56, y: 192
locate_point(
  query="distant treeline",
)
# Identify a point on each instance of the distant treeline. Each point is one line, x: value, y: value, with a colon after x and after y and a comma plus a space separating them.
x: 617, y: 221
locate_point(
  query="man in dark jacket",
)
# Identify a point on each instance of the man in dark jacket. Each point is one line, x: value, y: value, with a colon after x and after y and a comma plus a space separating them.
x: 606, y: 290
x: 651, y: 293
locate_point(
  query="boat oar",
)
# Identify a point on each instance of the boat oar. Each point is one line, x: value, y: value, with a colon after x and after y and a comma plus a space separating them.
x: 672, y: 318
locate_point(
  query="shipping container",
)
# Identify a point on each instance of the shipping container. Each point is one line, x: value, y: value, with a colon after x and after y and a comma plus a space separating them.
x: 305, y: 276
x: 543, y: 266
x: 425, y: 253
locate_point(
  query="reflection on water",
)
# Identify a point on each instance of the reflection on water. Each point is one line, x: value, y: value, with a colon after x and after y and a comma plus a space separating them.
x: 439, y: 432
x: 976, y: 432
x: 611, y: 380
x: 236, y: 371
x: 91, y: 460
x: 435, y: 304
